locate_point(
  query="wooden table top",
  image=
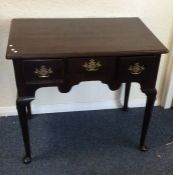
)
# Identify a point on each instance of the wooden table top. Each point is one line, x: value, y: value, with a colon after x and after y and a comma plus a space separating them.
x: 81, y: 37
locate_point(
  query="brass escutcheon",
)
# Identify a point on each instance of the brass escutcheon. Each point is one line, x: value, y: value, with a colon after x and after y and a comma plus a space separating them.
x: 92, y: 65
x: 136, y: 69
x: 43, y: 72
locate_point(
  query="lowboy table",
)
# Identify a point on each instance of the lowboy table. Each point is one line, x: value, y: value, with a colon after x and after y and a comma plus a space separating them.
x: 64, y: 52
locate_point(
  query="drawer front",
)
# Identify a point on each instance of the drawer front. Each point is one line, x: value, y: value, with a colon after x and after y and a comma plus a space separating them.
x: 91, y: 66
x: 138, y: 68
x: 43, y: 71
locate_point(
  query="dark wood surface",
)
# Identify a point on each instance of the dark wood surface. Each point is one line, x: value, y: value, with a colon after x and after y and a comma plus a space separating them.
x: 64, y: 52
x: 57, y: 38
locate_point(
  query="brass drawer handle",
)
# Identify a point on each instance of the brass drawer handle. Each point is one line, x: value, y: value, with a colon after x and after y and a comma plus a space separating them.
x: 92, y: 65
x: 43, y: 72
x: 136, y: 69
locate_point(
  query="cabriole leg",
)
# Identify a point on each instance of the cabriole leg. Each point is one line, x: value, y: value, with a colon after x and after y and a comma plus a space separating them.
x: 151, y: 95
x: 29, y: 113
x: 126, y: 98
x: 22, y: 113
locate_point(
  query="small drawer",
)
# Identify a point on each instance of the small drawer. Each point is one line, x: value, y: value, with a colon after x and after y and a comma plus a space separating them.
x: 91, y: 66
x: 43, y: 71
x: 138, y: 68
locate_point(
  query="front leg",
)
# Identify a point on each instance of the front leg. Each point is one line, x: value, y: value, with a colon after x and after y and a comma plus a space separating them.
x: 151, y: 95
x: 22, y: 113
x: 29, y: 113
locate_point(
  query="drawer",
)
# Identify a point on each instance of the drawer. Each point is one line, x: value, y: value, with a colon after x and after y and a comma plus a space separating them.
x: 43, y: 71
x: 138, y: 68
x: 91, y: 66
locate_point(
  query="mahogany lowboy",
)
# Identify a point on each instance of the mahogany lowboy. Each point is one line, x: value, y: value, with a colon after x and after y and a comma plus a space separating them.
x: 64, y: 52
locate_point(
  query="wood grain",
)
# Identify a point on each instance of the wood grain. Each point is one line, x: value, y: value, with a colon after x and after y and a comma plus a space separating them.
x: 63, y: 38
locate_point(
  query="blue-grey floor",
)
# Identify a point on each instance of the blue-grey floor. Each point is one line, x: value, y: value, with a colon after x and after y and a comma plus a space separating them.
x: 100, y: 142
